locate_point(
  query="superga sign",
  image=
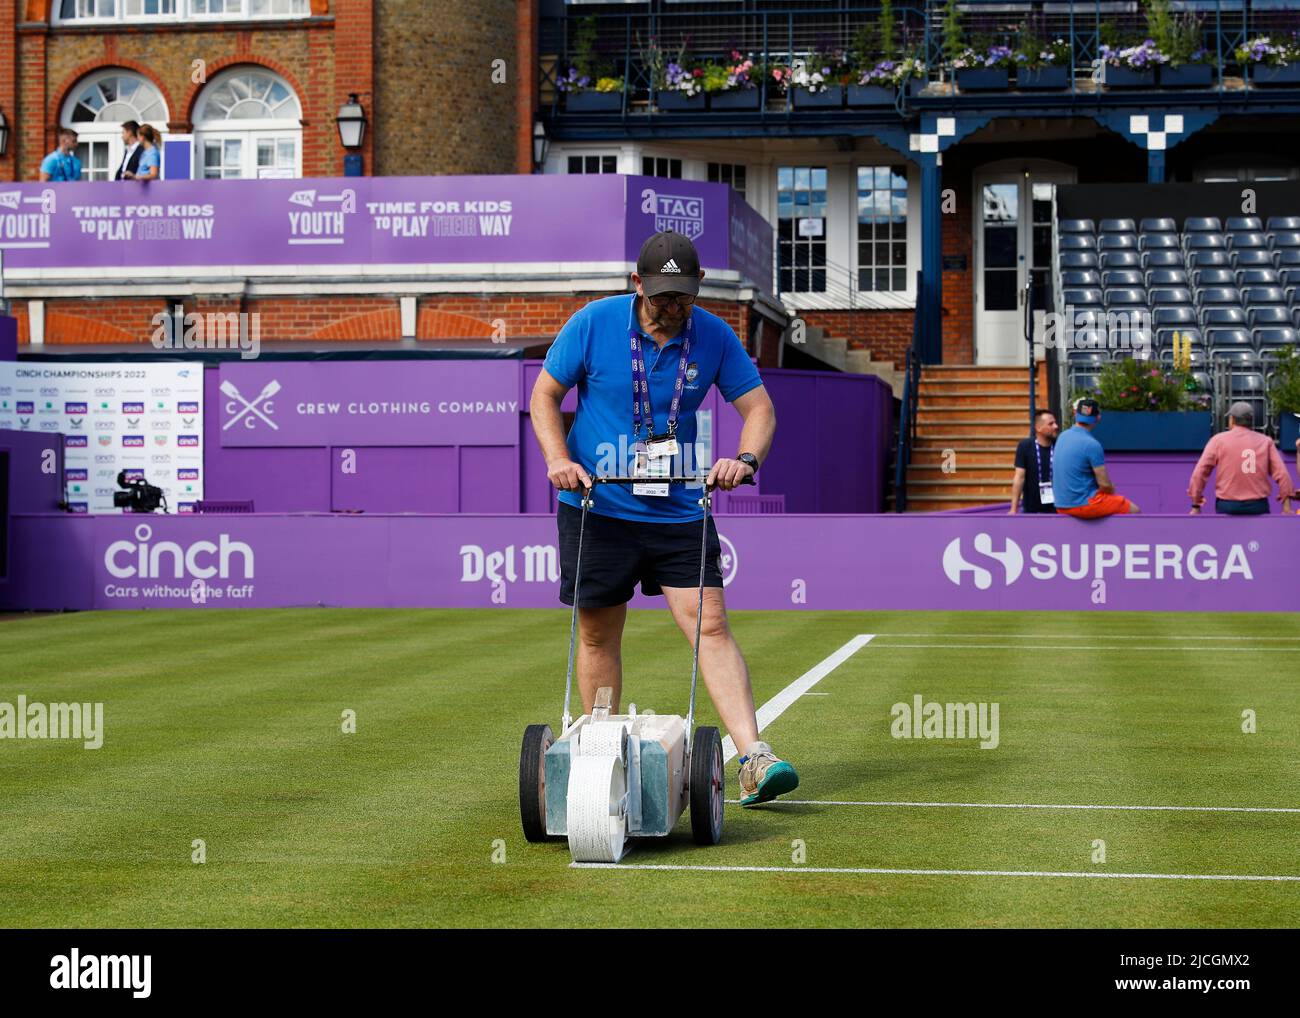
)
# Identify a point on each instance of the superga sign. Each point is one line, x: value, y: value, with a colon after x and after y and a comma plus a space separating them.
x: 981, y: 562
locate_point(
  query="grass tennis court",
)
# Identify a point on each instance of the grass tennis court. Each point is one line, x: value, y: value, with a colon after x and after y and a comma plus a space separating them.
x: 225, y: 726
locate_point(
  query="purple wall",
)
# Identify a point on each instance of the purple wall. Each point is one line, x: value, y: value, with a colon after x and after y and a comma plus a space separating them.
x: 8, y: 338
x: 834, y: 562
x: 32, y: 489
x: 826, y: 421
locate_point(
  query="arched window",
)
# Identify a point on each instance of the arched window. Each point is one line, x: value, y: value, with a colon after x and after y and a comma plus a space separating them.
x: 82, y: 12
x: 96, y: 110
x: 248, y: 123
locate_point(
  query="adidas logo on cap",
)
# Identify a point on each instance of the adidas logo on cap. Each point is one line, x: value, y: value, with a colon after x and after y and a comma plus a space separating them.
x: 670, y: 266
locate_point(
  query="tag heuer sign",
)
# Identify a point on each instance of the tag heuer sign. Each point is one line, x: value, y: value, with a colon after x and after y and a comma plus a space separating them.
x: 681, y: 213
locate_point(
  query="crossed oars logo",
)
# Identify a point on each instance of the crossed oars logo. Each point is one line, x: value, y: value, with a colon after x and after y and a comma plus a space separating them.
x: 250, y: 406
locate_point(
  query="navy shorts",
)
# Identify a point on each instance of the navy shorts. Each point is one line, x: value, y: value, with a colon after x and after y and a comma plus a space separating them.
x: 618, y: 553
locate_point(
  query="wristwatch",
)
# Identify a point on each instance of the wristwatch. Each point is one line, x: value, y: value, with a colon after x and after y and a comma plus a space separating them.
x: 750, y: 460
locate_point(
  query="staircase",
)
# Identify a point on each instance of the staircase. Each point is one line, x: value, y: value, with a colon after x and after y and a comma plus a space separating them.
x: 970, y: 418
x: 834, y: 352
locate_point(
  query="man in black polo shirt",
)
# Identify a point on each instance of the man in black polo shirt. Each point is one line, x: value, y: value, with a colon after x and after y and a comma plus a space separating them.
x: 1033, y: 477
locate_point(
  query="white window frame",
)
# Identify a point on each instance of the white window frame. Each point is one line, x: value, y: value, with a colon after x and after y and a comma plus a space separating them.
x: 110, y: 131
x: 249, y: 131
x: 185, y: 10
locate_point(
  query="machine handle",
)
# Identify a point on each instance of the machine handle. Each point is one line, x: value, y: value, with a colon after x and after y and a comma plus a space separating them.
x: 660, y: 480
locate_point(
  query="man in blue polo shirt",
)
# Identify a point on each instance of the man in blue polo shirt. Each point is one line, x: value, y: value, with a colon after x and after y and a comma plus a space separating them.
x: 653, y: 343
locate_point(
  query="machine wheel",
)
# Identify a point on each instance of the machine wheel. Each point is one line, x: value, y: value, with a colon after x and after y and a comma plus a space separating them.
x: 708, y: 786
x: 532, y: 781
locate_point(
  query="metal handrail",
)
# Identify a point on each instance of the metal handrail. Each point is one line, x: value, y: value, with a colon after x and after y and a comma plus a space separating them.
x: 909, y: 404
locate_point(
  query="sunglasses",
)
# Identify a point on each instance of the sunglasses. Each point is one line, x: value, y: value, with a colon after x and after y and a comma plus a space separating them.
x: 664, y: 299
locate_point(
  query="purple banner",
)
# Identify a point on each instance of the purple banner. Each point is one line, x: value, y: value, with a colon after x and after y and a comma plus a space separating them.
x: 494, y: 220
x: 323, y: 403
x: 860, y: 563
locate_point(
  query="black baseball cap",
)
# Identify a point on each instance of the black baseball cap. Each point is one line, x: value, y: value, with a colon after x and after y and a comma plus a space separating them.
x: 668, y: 263
x: 1087, y: 410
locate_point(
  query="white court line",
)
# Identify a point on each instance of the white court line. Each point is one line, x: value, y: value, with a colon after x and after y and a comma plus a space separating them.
x: 1090, y: 646
x: 1088, y: 636
x: 1037, y: 805
x: 776, y: 706
x: 883, y: 871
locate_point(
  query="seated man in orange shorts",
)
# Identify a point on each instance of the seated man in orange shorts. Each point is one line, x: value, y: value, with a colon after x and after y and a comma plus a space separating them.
x: 1080, y: 485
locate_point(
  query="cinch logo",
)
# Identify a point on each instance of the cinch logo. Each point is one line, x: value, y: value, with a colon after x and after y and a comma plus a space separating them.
x: 187, y: 408
x: 78, y: 474
x: 681, y: 213
x: 75, y: 408
x: 74, y: 442
x: 185, y: 507
x: 25, y: 407
x: 1093, y: 561
x: 187, y: 474
x: 954, y: 564
x: 49, y: 390
x: 160, y: 457
x: 78, y: 507
x: 129, y: 441
x: 132, y: 408
x: 187, y: 439
x: 134, y: 472
x: 142, y: 560
x: 102, y: 458
x: 107, y: 390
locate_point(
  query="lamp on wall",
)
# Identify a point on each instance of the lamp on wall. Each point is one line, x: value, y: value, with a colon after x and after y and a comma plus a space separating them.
x: 352, y: 122
x: 541, y: 144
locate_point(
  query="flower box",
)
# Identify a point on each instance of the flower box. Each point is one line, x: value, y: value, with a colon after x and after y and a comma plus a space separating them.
x: 1284, y: 74
x: 1187, y: 76
x: 1288, y: 429
x: 915, y: 86
x: 1043, y: 77
x: 1153, y: 430
x: 593, y: 102
x: 676, y: 99
x: 826, y: 98
x: 872, y: 95
x: 736, y: 99
x: 1127, y: 77
x: 983, y: 79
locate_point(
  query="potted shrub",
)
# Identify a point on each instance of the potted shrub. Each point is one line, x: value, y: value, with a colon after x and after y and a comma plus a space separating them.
x: 876, y: 87
x: 738, y: 87
x: 984, y: 71
x: 1044, y: 64
x: 1284, y: 397
x: 818, y: 80
x: 1179, y: 38
x: 1150, y: 407
x: 875, y: 59
x: 1270, y: 61
x: 589, y: 86
x: 1132, y: 66
x: 683, y: 88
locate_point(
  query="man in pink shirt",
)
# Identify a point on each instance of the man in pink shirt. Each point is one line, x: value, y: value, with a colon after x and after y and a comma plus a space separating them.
x: 1243, y: 460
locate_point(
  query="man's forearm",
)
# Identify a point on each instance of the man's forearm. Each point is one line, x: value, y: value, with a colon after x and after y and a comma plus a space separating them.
x: 1017, y: 489
x: 757, y: 433
x: 548, y: 426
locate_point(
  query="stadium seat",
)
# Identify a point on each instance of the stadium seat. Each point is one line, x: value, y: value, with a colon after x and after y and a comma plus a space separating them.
x: 1203, y: 241
x: 1239, y: 223
x: 1255, y: 296
x: 1168, y: 277
x: 1238, y: 358
x: 1161, y: 226
x: 1167, y: 258
x: 1206, y: 259
x: 1081, y: 277
x: 1126, y: 297
x: 1245, y: 240
x: 1225, y: 317
x: 1089, y: 341
x: 1273, y: 340
x: 1123, y: 259
x: 1075, y: 226
x: 1268, y: 316
x: 1122, y: 277
x: 1250, y: 387
x: 1287, y: 257
x: 1117, y: 242
x: 1226, y: 295
x: 1081, y: 296
x: 1214, y: 277
x: 1286, y: 238
x: 1228, y: 339
x: 1252, y: 257
x: 1201, y: 224
x: 1165, y: 296
x: 1174, y: 317
x: 1079, y: 260
x: 1078, y: 242
x: 1117, y: 226
x: 1257, y: 277
x: 1203, y: 380
x: 1165, y: 338
x: 1284, y: 222
x: 1157, y: 241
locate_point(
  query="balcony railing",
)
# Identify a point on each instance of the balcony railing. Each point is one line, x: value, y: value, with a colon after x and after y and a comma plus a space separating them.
x: 631, y: 46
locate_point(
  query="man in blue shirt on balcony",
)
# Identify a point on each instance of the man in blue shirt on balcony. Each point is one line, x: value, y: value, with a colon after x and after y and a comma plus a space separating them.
x: 642, y: 364
x: 62, y: 163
